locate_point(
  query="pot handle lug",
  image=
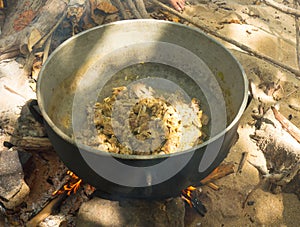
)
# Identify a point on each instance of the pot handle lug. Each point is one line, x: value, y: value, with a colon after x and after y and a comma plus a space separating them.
x: 35, y: 111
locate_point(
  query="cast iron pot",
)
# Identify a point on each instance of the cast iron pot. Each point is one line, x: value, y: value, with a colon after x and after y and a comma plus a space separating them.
x: 76, y: 70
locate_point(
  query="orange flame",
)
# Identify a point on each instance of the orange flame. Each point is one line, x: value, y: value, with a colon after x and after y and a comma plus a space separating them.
x: 186, y: 194
x: 71, y: 186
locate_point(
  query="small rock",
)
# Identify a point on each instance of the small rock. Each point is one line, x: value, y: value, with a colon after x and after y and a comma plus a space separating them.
x: 24, y: 157
x: 250, y: 203
x: 18, y: 198
x: 101, y: 212
x: 13, y: 188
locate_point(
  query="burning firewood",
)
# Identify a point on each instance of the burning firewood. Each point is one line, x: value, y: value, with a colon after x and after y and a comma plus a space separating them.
x: 48, y: 210
x: 71, y: 186
x: 189, y: 194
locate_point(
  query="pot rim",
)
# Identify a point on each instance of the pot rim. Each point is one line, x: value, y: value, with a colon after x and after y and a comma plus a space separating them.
x: 139, y: 157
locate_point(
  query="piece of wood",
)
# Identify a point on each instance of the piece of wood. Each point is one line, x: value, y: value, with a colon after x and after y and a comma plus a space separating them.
x: 32, y: 143
x: 30, y: 15
x: 122, y: 9
x: 237, y: 44
x: 213, y: 186
x: 242, y: 162
x: 47, y: 211
x: 9, y: 54
x: 133, y: 9
x: 286, y: 124
x: 288, y: 177
x: 295, y: 107
x: 47, y: 48
x: 219, y: 172
x: 281, y: 152
x: 259, y: 94
x: 282, y: 8
x: 141, y: 8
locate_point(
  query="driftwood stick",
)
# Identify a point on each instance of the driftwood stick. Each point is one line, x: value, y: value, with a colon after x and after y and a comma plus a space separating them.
x: 122, y: 9
x: 32, y: 143
x: 286, y: 124
x: 47, y: 211
x: 241, y: 46
x: 133, y: 9
x: 47, y: 49
x: 46, y: 17
x: 219, y: 172
x: 294, y: 107
x: 42, y: 41
x: 9, y: 54
x: 282, y: 8
x: 141, y: 8
x: 242, y: 162
x: 289, y: 176
x: 213, y: 186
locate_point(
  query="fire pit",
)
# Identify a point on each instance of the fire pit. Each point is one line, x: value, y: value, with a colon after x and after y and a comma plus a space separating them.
x: 163, y: 55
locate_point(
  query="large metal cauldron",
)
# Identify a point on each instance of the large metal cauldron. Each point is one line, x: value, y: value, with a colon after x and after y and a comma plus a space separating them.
x: 77, y: 71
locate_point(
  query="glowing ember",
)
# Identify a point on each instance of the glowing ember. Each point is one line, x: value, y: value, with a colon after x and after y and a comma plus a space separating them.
x: 71, y: 186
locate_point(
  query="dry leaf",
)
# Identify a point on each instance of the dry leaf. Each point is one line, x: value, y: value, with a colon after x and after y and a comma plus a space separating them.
x: 34, y: 37
x: 23, y: 20
x: 106, y: 7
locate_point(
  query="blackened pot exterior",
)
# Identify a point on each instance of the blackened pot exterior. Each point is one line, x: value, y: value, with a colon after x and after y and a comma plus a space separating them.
x: 189, y: 175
